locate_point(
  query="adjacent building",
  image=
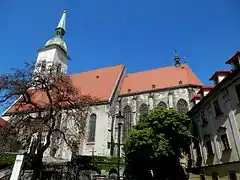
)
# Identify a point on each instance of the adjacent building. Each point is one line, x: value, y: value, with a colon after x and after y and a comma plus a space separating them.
x: 215, y: 119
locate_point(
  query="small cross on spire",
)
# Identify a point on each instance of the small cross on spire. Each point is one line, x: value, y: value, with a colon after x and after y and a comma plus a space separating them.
x: 176, y: 58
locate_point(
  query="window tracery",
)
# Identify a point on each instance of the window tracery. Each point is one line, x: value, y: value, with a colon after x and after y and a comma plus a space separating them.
x: 182, y: 106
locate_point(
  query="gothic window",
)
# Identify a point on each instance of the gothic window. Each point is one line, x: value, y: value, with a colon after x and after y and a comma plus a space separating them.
x: 162, y: 104
x: 92, y: 128
x: 59, y: 67
x: 182, y: 106
x: 43, y: 66
x: 127, y: 124
x: 217, y: 108
x: 143, y: 109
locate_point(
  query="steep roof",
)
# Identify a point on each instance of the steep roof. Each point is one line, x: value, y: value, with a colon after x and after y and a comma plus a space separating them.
x: 161, y: 78
x: 99, y: 83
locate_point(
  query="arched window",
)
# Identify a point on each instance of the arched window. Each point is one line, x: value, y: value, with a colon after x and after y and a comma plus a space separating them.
x: 143, y: 109
x: 127, y: 125
x: 59, y: 67
x: 182, y: 106
x: 162, y: 104
x: 92, y: 128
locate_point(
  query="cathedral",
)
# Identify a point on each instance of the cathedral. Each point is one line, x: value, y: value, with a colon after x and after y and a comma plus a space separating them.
x: 131, y: 94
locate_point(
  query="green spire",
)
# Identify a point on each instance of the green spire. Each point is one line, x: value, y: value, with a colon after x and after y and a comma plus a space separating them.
x: 61, y: 28
x: 60, y: 31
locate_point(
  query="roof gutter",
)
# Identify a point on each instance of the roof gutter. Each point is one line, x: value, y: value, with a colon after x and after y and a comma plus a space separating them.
x: 161, y: 89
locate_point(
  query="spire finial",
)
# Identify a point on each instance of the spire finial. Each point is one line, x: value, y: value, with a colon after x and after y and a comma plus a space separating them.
x: 176, y: 58
x: 61, y: 28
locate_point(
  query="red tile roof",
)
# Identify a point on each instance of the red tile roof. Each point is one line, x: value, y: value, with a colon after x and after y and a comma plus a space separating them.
x: 205, y: 88
x: 166, y: 77
x: 99, y: 83
x: 2, y: 122
x: 196, y: 97
x: 220, y: 73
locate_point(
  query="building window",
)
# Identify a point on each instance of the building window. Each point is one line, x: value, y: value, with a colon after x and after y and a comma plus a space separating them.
x: 143, y: 109
x: 162, y: 104
x: 204, y: 119
x: 208, y: 144
x: 225, y: 142
x: 59, y: 67
x: 209, y: 147
x: 214, y: 176
x: 202, y: 177
x: 109, y: 145
x: 43, y: 66
x: 182, y: 106
x: 92, y: 128
x: 232, y: 176
x: 217, y: 108
x: 43, y: 138
x: 238, y: 92
x: 127, y: 125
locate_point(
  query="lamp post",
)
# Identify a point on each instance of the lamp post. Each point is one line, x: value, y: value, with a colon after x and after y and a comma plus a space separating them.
x: 119, y: 118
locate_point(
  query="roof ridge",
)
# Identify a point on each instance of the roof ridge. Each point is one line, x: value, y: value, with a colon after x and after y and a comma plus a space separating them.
x: 157, y: 69
x: 123, y: 65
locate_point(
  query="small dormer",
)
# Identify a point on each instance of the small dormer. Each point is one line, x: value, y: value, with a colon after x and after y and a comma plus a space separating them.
x: 234, y: 61
x: 204, y: 90
x: 218, y: 76
x: 196, y: 99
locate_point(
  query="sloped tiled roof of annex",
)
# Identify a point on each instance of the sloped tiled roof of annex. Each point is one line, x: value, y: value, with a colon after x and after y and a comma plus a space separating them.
x: 161, y: 78
x: 99, y: 83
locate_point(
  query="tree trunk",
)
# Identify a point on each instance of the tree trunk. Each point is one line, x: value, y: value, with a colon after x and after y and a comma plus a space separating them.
x: 37, y: 166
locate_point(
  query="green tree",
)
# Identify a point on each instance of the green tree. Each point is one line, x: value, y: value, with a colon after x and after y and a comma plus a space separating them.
x: 156, y: 145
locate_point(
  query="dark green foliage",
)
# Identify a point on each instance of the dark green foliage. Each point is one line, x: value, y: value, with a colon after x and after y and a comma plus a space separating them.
x: 157, y: 143
x: 6, y: 160
x: 102, y: 162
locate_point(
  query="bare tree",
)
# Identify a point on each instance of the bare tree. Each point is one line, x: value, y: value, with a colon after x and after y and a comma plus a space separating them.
x: 46, y: 106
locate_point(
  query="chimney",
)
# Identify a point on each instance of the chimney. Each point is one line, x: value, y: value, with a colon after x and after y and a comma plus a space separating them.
x: 218, y: 76
x: 234, y: 61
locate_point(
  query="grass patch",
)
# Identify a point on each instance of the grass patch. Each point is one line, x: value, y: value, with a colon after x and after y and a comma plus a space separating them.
x: 6, y: 159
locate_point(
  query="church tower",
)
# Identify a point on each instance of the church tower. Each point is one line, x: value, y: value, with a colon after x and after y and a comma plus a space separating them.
x: 55, y: 50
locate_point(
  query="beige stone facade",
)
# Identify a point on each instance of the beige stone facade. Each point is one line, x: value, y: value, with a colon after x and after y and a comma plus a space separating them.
x: 215, y: 119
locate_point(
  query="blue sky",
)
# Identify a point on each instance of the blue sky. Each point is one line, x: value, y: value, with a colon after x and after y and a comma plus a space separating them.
x: 139, y: 33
